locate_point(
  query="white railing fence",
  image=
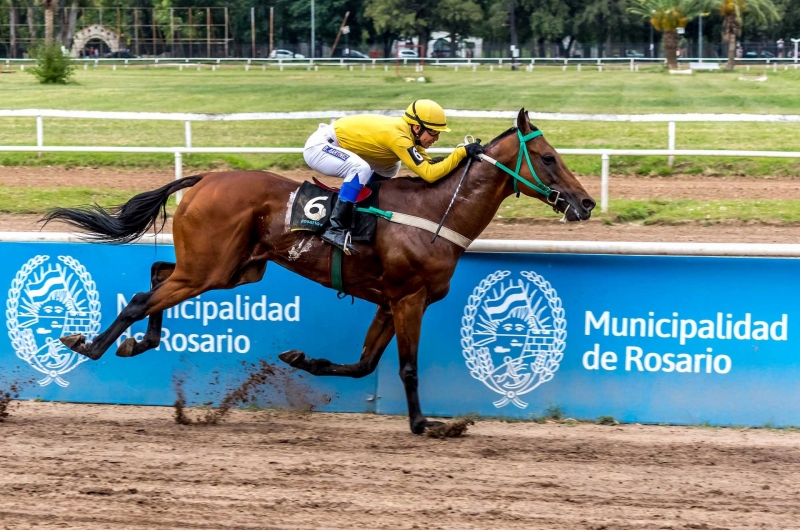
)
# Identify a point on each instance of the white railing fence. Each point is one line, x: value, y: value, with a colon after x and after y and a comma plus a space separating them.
x: 526, y: 63
x: 605, y: 154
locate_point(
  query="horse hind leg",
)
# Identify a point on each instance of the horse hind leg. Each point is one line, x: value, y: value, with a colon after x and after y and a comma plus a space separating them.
x: 160, y: 272
x: 380, y: 334
x: 133, y: 312
x: 169, y: 293
x: 130, y: 347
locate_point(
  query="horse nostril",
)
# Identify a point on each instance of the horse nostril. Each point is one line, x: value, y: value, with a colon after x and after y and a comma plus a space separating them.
x: 589, y: 204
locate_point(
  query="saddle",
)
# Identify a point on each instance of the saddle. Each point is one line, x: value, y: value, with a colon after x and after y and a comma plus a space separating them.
x: 313, y: 203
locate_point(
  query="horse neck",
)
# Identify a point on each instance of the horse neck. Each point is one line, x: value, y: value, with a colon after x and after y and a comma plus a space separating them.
x: 484, y: 189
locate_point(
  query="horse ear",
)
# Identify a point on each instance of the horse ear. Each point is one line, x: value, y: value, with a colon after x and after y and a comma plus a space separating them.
x: 522, y: 121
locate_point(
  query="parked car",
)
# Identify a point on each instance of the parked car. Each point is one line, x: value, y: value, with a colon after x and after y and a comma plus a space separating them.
x: 285, y: 54
x: 407, y: 54
x: 122, y: 54
x: 633, y: 54
x: 349, y: 53
x: 764, y: 55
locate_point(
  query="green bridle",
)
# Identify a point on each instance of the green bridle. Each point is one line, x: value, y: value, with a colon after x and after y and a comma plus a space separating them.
x: 539, y: 186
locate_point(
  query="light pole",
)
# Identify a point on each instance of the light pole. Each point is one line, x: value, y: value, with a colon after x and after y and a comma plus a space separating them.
x: 700, y: 40
x: 312, y: 30
x: 795, y: 41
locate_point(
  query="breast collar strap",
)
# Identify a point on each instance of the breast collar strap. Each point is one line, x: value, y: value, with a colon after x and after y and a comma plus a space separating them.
x: 551, y: 195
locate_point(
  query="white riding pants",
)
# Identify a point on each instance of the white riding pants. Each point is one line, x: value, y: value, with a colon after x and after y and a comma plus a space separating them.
x: 322, y: 153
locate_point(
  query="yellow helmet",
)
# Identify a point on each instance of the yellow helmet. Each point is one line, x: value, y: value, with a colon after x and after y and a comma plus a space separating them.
x: 427, y: 113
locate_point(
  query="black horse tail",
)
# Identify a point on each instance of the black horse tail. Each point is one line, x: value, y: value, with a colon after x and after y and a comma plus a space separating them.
x: 124, y: 223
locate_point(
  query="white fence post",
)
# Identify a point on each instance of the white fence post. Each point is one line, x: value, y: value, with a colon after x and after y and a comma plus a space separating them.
x: 671, y: 142
x: 178, y: 174
x: 188, y: 134
x: 604, y: 183
x: 39, y: 133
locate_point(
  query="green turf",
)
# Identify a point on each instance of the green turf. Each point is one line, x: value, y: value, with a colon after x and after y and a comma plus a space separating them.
x: 659, y: 211
x: 545, y: 89
x: 19, y: 200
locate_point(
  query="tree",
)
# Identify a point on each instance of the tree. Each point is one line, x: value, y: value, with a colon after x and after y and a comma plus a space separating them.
x: 52, y: 66
x: 458, y: 17
x: 555, y: 21
x: 12, y: 24
x: 732, y: 11
x: 667, y: 16
x: 599, y: 20
x: 403, y: 17
x: 50, y: 7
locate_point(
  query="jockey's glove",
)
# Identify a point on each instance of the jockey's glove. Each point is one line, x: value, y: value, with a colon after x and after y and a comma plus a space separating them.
x: 474, y: 151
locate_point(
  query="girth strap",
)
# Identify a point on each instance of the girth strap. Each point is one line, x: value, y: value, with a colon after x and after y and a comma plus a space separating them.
x: 419, y: 222
x: 393, y: 217
x: 336, y: 269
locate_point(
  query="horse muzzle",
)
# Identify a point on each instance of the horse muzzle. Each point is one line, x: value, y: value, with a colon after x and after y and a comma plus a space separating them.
x: 573, y: 208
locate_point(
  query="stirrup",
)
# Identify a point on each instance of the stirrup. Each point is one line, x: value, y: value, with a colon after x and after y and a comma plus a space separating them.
x: 348, y: 244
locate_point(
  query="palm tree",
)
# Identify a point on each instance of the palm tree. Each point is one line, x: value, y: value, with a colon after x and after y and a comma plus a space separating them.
x: 50, y: 7
x: 762, y: 11
x: 667, y: 16
x: 12, y: 24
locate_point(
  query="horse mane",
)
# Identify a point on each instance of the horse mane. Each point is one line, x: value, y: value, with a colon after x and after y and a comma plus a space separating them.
x: 501, y: 136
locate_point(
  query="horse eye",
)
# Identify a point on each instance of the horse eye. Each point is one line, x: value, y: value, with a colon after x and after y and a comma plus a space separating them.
x: 549, y: 159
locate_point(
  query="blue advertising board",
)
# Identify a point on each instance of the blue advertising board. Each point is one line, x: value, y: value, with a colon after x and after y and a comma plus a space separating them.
x: 651, y: 339
x: 58, y: 289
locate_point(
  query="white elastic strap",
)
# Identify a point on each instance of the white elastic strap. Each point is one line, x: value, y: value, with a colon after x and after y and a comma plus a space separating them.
x: 430, y: 226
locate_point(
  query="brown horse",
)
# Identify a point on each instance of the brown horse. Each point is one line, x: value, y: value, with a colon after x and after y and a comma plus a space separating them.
x: 230, y: 224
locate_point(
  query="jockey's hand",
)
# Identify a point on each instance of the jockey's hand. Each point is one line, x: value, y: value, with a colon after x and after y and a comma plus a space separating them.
x: 474, y: 150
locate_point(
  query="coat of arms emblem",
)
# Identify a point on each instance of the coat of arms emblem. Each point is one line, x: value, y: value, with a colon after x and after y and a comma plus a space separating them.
x: 48, y: 301
x: 513, y: 334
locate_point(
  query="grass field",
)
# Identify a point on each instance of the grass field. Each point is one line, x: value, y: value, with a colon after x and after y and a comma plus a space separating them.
x: 545, y: 90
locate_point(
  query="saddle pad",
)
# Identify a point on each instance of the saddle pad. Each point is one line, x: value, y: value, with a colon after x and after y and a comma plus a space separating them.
x: 311, y: 211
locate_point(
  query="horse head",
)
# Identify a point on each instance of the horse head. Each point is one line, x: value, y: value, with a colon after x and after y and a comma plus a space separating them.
x: 540, y: 172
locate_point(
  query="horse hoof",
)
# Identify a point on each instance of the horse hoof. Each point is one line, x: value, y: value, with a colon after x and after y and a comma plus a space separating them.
x: 422, y: 426
x: 74, y: 342
x: 292, y: 357
x: 126, y: 348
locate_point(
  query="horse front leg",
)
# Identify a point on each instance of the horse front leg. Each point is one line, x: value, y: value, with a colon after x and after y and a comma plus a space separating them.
x: 379, y: 335
x: 408, y: 312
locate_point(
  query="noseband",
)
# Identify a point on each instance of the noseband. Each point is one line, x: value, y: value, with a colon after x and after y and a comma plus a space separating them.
x: 552, y: 196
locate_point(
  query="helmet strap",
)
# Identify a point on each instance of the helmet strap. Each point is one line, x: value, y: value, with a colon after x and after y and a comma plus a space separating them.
x: 416, y: 135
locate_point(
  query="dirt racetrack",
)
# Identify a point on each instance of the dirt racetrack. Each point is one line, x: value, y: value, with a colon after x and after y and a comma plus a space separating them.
x: 676, y: 187
x: 95, y: 467
x: 98, y: 467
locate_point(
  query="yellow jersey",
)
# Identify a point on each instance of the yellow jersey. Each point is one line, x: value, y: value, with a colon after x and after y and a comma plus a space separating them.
x: 386, y: 140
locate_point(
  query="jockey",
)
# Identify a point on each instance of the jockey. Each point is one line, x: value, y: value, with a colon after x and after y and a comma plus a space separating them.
x: 355, y: 147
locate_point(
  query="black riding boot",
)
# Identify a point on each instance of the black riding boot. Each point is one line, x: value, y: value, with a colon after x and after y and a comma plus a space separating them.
x: 338, y: 234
